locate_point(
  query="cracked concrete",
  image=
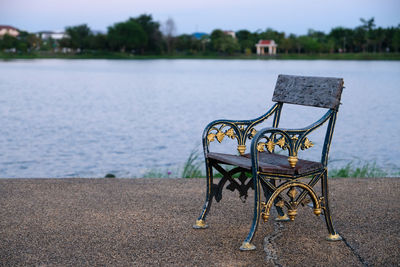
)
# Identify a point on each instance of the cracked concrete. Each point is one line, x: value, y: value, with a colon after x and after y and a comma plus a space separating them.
x: 148, y: 222
x: 270, y: 247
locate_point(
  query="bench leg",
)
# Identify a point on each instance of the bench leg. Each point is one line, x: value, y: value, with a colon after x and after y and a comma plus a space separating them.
x: 333, y: 235
x: 201, y: 221
x: 246, y: 245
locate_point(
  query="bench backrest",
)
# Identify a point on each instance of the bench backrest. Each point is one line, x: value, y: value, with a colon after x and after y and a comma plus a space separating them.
x: 324, y: 92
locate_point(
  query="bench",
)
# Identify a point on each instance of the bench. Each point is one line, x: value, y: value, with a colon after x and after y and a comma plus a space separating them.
x: 285, y: 180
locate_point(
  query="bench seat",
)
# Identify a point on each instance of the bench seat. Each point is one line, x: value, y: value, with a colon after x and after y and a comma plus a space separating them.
x: 268, y: 163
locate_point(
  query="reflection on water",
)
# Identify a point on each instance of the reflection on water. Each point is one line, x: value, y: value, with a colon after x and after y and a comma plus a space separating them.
x: 86, y: 118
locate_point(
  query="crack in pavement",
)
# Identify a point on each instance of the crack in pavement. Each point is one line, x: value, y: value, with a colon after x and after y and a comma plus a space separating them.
x: 270, y: 247
x: 362, y: 261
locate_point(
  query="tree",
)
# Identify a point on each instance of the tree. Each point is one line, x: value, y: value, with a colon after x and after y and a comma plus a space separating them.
x: 308, y: 44
x: 79, y: 36
x: 368, y: 26
x: 8, y: 42
x: 99, y: 42
x: 152, y: 30
x: 343, y: 38
x: 128, y: 35
x: 396, y: 40
x: 246, y: 40
x: 223, y: 43
x: 169, y: 30
x: 288, y: 44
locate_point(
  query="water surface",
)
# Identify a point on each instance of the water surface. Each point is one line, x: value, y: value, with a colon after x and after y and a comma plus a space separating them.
x: 86, y: 118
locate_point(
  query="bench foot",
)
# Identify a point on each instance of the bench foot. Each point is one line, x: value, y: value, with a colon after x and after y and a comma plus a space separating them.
x: 200, y: 224
x: 284, y: 218
x: 335, y: 237
x: 246, y: 246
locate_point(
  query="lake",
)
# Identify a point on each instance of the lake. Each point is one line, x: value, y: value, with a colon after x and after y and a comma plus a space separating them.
x: 87, y: 118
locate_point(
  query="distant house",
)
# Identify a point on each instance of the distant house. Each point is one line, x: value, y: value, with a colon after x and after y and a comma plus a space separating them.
x: 199, y: 35
x: 4, y: 29
x: 231, y: 33
x: 45, y: 35
x: 269, y: 44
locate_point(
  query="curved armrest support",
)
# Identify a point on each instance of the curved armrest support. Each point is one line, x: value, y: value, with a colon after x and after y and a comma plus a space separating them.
x: 234, y: 129
x: 290, y: 139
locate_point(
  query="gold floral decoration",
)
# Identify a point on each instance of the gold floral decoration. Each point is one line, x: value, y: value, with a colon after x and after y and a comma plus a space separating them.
x: 211, y: 137
x: 292, y: 193
x: 230, y: 133
x: 220, y: 136
x: 252, y: 133
x: 281, y: 143
x: 270, y: 145
x: 280, y: 204
x: 260, y: 147
x: 306, y: 144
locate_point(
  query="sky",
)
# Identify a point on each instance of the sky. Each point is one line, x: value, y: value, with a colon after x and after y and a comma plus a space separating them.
x: 289, y: 16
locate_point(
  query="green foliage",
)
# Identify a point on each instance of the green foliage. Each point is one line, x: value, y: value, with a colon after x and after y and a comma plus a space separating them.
x: 79, y: 36
x: 153, y: 33
x: 126, y: 36
x: 192, y: 166
x: 366, y: 170
x: 223, y: 43
x: 8, y: 42
x: 142, y: 34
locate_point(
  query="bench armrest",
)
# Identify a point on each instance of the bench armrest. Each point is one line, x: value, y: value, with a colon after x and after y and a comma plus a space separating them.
x: 291, y: 140
x: 240, y: 130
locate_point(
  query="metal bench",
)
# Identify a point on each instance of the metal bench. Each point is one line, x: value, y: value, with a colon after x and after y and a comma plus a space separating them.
x: 286, y: 180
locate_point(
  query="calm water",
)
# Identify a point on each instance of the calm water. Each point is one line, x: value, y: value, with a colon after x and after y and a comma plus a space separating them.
x: 73, y: 118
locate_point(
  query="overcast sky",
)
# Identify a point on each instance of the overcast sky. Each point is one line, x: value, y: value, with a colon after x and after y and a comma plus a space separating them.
x: 290, y: 16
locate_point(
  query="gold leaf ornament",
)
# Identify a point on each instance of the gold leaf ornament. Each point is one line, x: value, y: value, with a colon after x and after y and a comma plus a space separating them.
x: 306, y: 144
x: 260, y: 147
x: 230, y: 133
x: 281, y: 143
x: 280, y: 203
x: 270, y: 145
x: 220, y: 136
x: 211, y: 137
x: 292, y: 193
x: 252, y: 133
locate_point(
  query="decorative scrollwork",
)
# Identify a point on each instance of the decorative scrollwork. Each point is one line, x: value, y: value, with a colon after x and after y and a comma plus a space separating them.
x: 291, y: 204
x: 252, y: 133
x: 220, y: 134
x: 270, y: 145
x: 230, y: 133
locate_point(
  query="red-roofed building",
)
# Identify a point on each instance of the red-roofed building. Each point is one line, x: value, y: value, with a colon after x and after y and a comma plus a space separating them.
x: 4, y: 29
x: 269, y: 44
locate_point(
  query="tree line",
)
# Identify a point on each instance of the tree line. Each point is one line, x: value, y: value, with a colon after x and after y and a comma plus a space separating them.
x: 144, y: 36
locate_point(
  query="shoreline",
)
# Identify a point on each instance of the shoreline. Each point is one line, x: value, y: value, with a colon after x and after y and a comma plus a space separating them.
x: 100, y: 55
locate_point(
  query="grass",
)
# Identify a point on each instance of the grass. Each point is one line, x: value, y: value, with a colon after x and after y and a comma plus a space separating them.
x: 365, y: 170
x: 194, y: 166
